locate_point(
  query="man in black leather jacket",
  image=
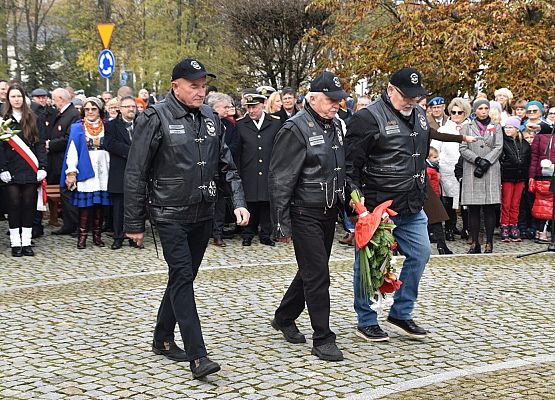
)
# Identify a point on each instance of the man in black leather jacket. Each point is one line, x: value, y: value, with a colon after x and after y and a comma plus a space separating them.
x: 174, y: 162
x: 387, y: 146
x: 306, y: 181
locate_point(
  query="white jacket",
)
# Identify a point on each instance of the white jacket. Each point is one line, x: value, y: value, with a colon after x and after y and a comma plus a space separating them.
x: 449, y: 156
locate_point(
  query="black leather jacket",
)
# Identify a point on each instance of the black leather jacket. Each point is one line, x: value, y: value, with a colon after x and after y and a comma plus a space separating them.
x: 307, y: 168
x: 386, y: 156
x: 175, y: 161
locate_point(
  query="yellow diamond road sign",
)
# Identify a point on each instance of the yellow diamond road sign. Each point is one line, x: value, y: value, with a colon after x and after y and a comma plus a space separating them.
x: 105, y: 31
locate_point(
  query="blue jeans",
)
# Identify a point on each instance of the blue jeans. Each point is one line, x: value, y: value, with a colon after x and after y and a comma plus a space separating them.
x: 411, y: 233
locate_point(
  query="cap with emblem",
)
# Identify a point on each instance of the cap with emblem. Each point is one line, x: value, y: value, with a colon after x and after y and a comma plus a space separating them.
x: 265, y: 90
x: 409, y: 81
x: 190, y: 69
x: 436, y: 101
x: 39, y: 92
x: 254, y: 98
x: 329, y: 84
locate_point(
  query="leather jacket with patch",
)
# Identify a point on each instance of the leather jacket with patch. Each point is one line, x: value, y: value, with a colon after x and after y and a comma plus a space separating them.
x: 176, y: 159
x: 306, y: 168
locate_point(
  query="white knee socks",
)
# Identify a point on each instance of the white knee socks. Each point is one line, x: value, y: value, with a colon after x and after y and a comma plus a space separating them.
x: 26, y: 236
x: 15, y: 237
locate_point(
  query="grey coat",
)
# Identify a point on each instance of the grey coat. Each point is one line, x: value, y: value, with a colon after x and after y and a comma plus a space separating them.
x: 485, y: 190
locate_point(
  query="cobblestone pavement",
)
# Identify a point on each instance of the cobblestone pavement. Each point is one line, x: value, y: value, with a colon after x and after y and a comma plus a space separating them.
x: 78, y: 325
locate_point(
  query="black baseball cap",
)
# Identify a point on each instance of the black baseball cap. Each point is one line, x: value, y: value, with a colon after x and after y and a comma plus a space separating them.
x: 409, y: 81
x: 329, y: 84
x: 190, y: 69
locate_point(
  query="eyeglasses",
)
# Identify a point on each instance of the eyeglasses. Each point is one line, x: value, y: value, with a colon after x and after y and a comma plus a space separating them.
x: 532, y: 111
x: 90, y: 109
x: 229, y: 107
x: 453, y: 112
x: 407, y: 98
x: 551, y: 113
x: 131, y: 106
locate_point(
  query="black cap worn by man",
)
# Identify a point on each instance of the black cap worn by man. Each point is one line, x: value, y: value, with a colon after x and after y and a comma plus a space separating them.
x: 329, y: 84
x: 409, y: 82
x: 190, y: 69
x: 254, y: 98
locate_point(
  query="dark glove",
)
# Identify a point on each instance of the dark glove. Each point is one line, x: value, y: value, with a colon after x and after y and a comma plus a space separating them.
x: 483, y: 163
x: 479, y: 172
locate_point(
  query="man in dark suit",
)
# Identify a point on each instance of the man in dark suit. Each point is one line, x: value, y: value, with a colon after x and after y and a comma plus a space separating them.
x: 256, y: 132
x: 56, y: 142
x: 119, y: 133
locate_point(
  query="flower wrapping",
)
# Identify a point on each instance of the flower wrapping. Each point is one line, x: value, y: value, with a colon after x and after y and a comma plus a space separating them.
x: 6, y: 132
x: 375, y: 243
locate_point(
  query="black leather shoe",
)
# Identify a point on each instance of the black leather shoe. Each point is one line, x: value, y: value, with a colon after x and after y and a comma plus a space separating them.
x: 372, y: 333
x: 203, y: 366
x: 247, y: 242
x: 170, y: 350
x: 406, y: 327
x: 328, y: 352
x: 62, y: 231
x: 27, y: 251
x: 267, y: 242
x: 291, y: 333
x: 117, y: 244
x: 444, y: 250
x: 474, y: 249
x: 17, y: 252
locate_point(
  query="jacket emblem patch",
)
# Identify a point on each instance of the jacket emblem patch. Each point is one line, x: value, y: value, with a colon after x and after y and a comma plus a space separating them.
x: 210, y: 128
x: 316, y: 140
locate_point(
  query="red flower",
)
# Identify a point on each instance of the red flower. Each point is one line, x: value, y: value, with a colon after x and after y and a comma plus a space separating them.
x: 394, y: 246
x: 390, y: 284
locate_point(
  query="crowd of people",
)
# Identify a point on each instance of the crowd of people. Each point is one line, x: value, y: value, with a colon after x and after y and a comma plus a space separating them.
x: 503, y: 186
x: 281, y: 167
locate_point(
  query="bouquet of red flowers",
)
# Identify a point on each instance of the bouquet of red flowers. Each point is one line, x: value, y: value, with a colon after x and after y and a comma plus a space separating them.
x: 375, y: 243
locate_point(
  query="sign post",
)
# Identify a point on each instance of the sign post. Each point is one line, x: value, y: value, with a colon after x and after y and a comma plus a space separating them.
x: 106, y: 59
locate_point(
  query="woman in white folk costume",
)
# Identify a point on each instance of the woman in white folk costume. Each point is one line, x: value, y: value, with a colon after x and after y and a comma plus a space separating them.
x: 85, y: 170
x: 22, y: 169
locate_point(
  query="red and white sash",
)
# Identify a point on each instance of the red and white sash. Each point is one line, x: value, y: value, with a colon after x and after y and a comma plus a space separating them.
x: 24, y: 151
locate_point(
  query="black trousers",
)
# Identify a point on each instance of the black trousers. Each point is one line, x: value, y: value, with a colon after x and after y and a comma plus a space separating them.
x: 219, y: 216
x: 21, y: 202
x: 313, y: 234
x: 451, y: 223
x: 260, y: 215
x: 184, y: 245
x: 117, y: 214
x: 70, y: 213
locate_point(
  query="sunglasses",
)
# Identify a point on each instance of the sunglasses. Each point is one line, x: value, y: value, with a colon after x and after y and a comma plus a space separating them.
x: 532, y: 111
x: 457, y: 112
x: 90, y: 109
x: 407, y: 98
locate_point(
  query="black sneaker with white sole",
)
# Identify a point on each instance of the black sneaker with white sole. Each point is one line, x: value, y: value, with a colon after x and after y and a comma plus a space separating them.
x: 406, y: 327
x: 372, y: 333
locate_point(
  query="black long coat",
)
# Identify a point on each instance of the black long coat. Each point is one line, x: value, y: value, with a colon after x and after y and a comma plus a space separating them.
x: 58, y: 134
x: 253, y: 155
x: 118, y: 143
x: 10, y: 160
